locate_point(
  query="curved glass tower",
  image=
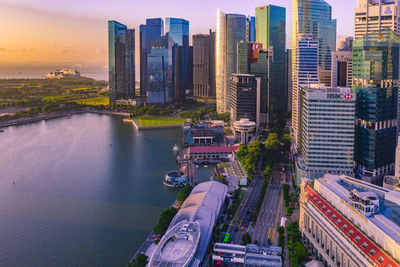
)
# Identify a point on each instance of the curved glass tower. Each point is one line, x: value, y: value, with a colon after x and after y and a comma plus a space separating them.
x: 231, y: 29
x: 312, y: 17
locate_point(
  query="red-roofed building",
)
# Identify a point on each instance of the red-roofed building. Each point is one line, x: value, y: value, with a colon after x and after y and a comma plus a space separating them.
x: 210, y: 153
x: 343, y: 234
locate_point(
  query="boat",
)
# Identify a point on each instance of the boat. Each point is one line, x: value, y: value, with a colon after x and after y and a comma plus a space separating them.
x: 175, y: 148
x: 1, y: 131
x: 205, y: 166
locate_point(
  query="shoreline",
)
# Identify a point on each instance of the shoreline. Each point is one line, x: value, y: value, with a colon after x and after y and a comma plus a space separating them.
x: 27, y: 120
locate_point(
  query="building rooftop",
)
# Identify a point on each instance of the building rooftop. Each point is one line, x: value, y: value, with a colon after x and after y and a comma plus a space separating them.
x: 378, y: 231
x: 190, y: 231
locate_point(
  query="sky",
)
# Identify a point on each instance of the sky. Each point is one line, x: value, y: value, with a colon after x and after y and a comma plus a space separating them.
x: 74, y: 32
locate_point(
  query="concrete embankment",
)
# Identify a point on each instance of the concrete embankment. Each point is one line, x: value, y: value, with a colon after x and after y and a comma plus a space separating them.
x: 40, y: 117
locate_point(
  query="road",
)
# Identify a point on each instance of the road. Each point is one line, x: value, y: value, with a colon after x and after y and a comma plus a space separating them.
x: 272, y: 209
x: 242, y: 217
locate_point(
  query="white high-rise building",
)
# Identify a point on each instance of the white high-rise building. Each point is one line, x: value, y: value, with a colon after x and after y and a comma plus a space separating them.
x: 374, y: 15
x: 306, y: 73
x: 327, y: 118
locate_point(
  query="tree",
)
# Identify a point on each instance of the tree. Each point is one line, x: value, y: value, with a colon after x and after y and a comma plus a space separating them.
x: 140, y: 261
x: 164, y: 220
x: 267, y: 171
x: 286, y: 141
x: 184, y: 193
x: 246, y: 239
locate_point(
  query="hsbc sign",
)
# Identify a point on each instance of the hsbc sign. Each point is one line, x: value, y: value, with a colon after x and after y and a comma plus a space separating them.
x: 339, y: 96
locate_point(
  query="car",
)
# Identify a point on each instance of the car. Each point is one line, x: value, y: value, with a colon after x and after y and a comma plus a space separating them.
x: 283, y: 169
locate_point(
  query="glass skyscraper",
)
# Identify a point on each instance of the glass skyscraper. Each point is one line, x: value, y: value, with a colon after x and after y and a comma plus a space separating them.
x: 231, y: 29
x: 251, y: 29
x: 254, y: 60
x: 312, y: 17
x: 153, y: 29
x: 121, y: 61
x: 375, y: 79
x: 178, y: 30
x: 160, y: 70
x: 271, y: 33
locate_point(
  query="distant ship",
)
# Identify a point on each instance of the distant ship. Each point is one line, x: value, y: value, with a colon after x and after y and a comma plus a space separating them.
x: 175, y: 148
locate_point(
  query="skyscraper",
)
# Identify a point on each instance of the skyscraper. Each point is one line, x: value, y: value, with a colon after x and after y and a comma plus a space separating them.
x: 153, y: 29
x: 375, y: 75
x: 288, y: 78
x: 306, y: 73
x: 178, y: 30
x: 251, y: 29
x: 204, y: 65
x: 375, y: 15
x: 326, y: 132
x: 244, y: 98
x: 315, y: 17
x: 342, y: 68
x: 121, y: 61
x: 254, y: 60
x: 160, y: 71
x: 231, y: 29
x: 183, y: 72
x: 271, y: 32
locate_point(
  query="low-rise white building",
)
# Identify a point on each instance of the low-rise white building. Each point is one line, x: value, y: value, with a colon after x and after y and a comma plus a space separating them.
x: 349, y: 222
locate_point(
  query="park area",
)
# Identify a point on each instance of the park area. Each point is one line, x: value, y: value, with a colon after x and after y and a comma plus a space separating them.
x: 151, y: 121
x: 95, y: 101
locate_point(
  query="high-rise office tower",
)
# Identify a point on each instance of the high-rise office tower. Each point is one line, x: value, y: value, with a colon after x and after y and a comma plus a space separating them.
x: 204, y: 65
x: 342, y: 68
x: 153, y: 29
x: 271, y: 32
x: 245, y: 97
x: 375, y: 15
x: 231, y: 29
x: 254, y: 60
x: 178, y: 30
x: 160, y: 71
x: 183, y: 72
x: 251, y: 29
x: 288, y: 78
x: 315, y: 17
x: 326, y: 132
x: 375, y: 78
x: 304, y: 74
x: 121, y: 61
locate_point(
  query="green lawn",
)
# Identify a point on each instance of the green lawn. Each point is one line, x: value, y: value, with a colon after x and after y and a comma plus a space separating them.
x: 93, y: 101
x: 57, y: 97
x: 152, y: 120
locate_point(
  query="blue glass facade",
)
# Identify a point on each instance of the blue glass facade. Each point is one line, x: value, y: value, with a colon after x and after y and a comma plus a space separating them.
x: 251, y: 29
x: 178, y: 29
x: 121, y: 60
x: 375, y: 78
x: 153, y: 29
x: 235, y: 33
x: 315, y: 17
x: 160, y: 70
x: 183, y: 72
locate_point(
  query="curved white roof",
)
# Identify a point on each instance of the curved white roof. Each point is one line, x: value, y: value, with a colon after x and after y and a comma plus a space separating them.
x: 203, y: 206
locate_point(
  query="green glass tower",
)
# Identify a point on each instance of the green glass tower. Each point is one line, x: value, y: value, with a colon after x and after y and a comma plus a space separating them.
x: 254, y: 60
x: 271, y: 33
x: 375, y: 79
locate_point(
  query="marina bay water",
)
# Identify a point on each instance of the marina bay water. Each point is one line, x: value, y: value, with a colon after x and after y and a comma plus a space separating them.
x: 84, y: 191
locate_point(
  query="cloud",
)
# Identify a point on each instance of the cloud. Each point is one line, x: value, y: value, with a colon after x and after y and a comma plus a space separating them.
x: 20, y: 50
x: 65, y: 51
x: 2, y: 49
